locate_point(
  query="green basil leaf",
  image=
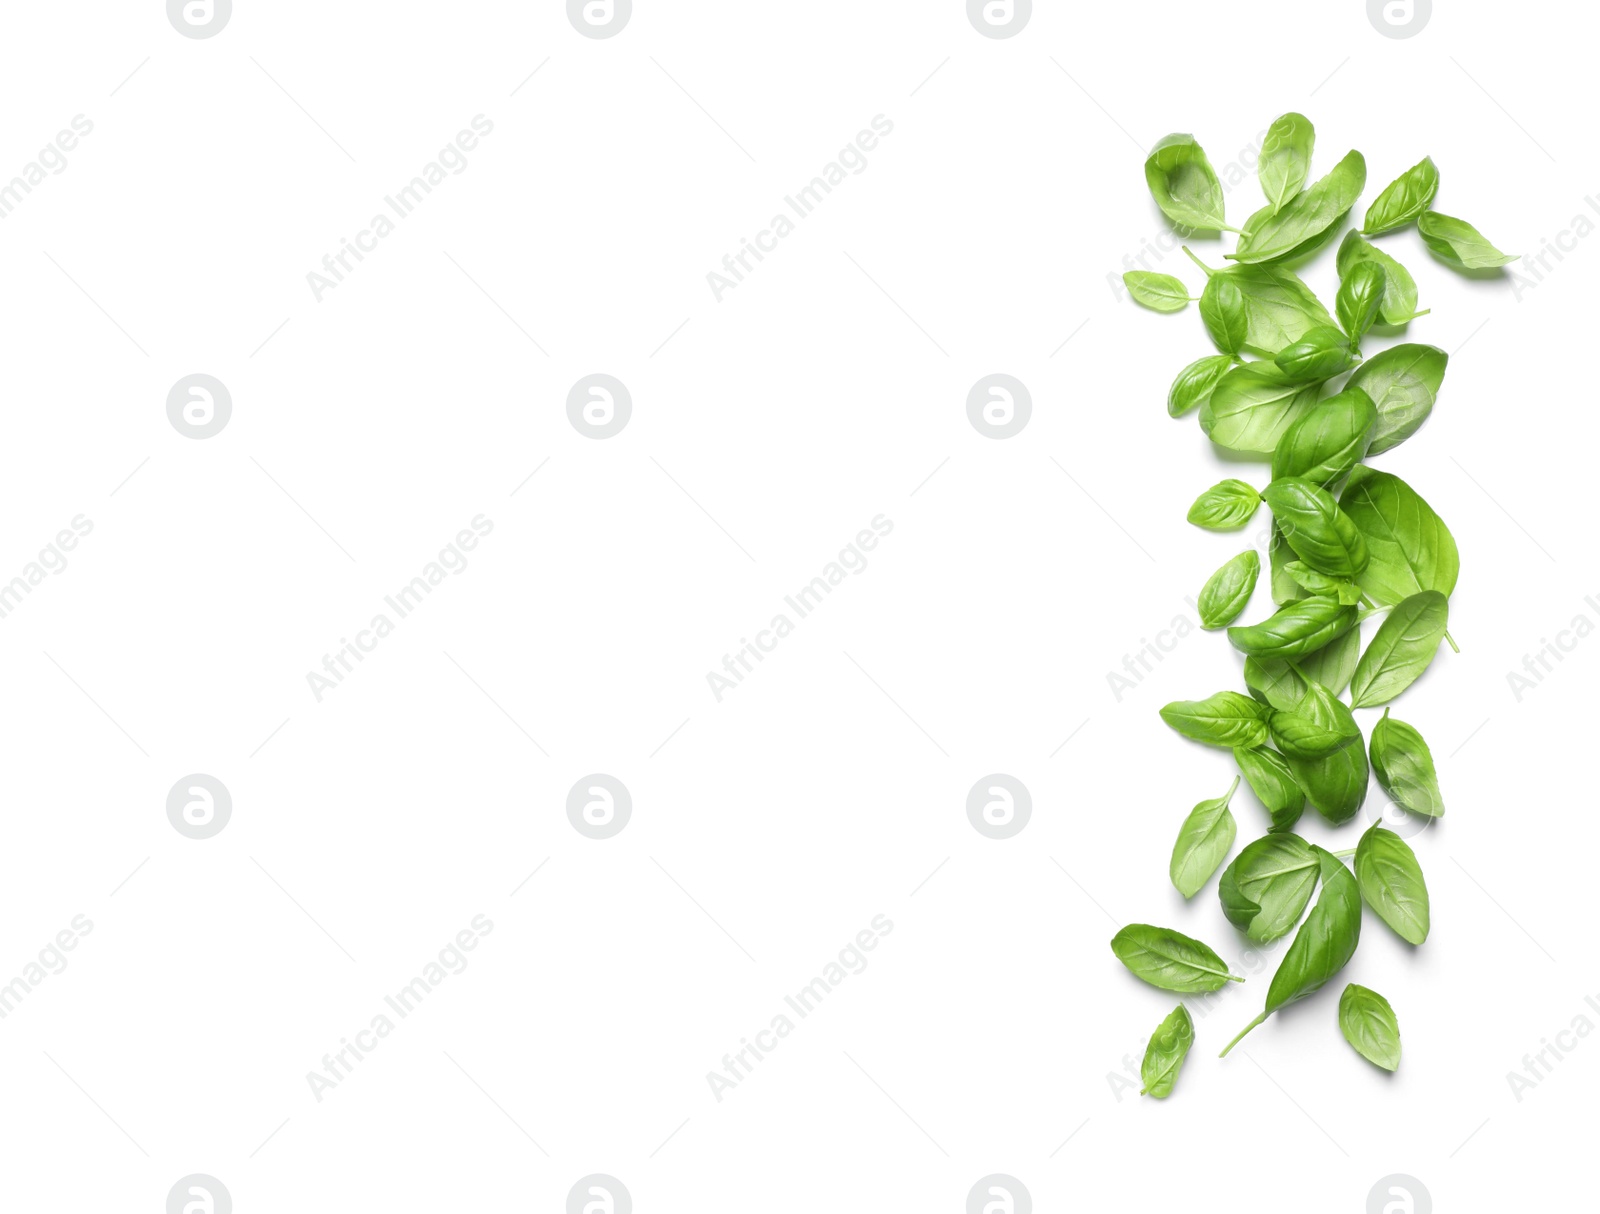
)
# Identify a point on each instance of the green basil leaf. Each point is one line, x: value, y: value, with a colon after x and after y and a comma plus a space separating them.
x: 1195, y: 383
x: 1226, y: 506
x: 1170, y: 960
x: 1162, y: 292
x: 1306, y: 221
x: 1404, y: 766
x: 1360, y: 298
x: 1276, y: 682
x: 1203, y: 843
x: 1403, y: 383
x: 1315, y: 582
x: 1392, y: 884
x: 1401, y: 650
x: 1326, y: 442
x: 1279, y: 309
x: 1399, y: 288
x: 1285, y: 589
x: 1336, y: 786
x: 1273, y: 783
x: 1286, y: 158
x: 1302, y: 627
x: 1369, y: 1025
x: 1184, y: 184
x: 1225, y: 719
x: 1319, y: 725
x: 1403, y: 199
x: 1319, y: 355
x: 1252, y: 407
x: 1409, y: 547
x: 1320, y: 533
x: 1163, y: 1057
x: 1222, y: 308
x: 1266, y: 888
x: 1228, y: 591
x: 1334, y: 663
x: 1457, y: 243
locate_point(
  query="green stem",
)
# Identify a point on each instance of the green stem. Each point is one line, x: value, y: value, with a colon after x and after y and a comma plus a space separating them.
x: 1209, y: 271
x: 1227, y: 797
x: 1340, y: 855
x: 1242, y: 1032
x: 1452, y: 641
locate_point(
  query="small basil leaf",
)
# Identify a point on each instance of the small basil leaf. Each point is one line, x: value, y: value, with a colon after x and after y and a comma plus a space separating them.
x: 1228, y: 591
x: 1203, y: 843
x: 1403, y: 199
x: 1401, y: 650
x: 1404, y: 766
x: 1306, y: 221
x: 1266, y: 888
x: 1409, y: 548
x: 1399, y: 288
x: 1403, y: 383
x: 1252, y: 407
x: 1162, y: 292
x: 1184, y: 184
x: 1195, y: 383
x: 1328, y: 441
x: 1319, y: 355
x: 1225, y: 719
x: 1286, y: 158
x: 1273, y: 783
x: 1457, y: 243
x: 1279, y: 308
x: 1302, y: 627
x: 1163, y: 1057
x: 1392, y: 884
x: 1336, y: 785
x: 1369, y: 1025
x: 1319, y: 725
x: 1222, y: 309
x: 1170, y: 960
x: 1226, y: 506
x: 1360, y: 298
x: 1314, y: 582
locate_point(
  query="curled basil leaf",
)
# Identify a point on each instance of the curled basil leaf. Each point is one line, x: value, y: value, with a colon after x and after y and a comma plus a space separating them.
x: 1225, y: 719
x: 1252, y: 407
x: 1222, y: 309
x: 1457, y: 243
x: 1320, y: 533
x: 1319, y: 355
x: 1409, y: 548
x: 1403, y: 199
x: 1319, y: 725
x: 1273, y: 783
x: 1279, y: 309
x: 1314, y: 582
x: 1403, y: 383
x: 1163, y: 1057
x: 1299, y: 628
x: 1305, y: 222
x: 1161, y: 292
x: 1170, y: 960
x: 1286, y: 158
x: 1360, y: 298
x: 1196, y: 382
x: 1203, y: 843
x: 1324, y: 444
x: 1392, y: 884
x: 1336, y: 785
x: 1404, y: 766
x: 1401, y: 650
x: 1184, y: 184
x: 1369, y: 1025
x: 1226, y: 506
x: 1399, y: 288
x: 1228, y: 591
x: 1266, y: 888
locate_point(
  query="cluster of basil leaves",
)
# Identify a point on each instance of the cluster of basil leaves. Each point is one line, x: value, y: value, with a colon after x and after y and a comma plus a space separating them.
x: 1347, y: 542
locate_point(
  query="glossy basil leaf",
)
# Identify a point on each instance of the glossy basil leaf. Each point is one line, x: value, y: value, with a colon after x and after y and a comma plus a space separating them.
x: 1403, y: 199
x: 1399, y: 303
x: 1226, y: 506
x: 1307, y: 220
x: 1319, y: 355
x: 1457, y: 243
x: 1320, y: 533
x: 1401, y: 650
x: 1302, y: 627
x: 1403, y: 383
x: 1334, y: 663
x: 1324, y: 944
x: 1195, y: 383
x: 1279, y: 308
x: 1360, y: 298
x: 1222, y: 309
x: 1203, y: 843
x: 1325, y: 443
x: 1273, y: 783
x: 1275, y: 682
x: 1319, y: 725
x: 1369, y: 1025
x: 1392, y: 884
x: 1404, y: 766
x: 1161, y: 292
x: 1184, y: 184
x: 1252, y: 407
x: 1409, y: 548
x: 1285, y: 589
x: 1170, y: 960
x: 1225, y: 719
x: 1163, y: 1057
x: 1265, y: 890
x: 1336, y: 786
x: 1228, y: 591
x: 1286, y: 159
x: 1314, y: 582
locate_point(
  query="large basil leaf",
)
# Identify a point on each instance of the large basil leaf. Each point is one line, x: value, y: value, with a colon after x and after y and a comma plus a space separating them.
x: 1319, y: 355
x: 1334, y: 663
x: 1184, y: 184
x: 1302, y: 627
x: 1273, y: 783
x: 1320, y: 533
x: 1266, y: 888
x: 1403, y: 199
x: 1305, y: 222
x: 1252, y: 407
x: 1399, y: 288
x: 1457, y: 243
x: 1163, y: 1057
x: 1360, y: 298
x: 1196, y: 382
x: 1391, y: 882
x: 1409, y: 547
x: 1286, y: 158
x: 1223, y: 311
x: 1401, y: 650
x: 1161, y: 292
x: 1404, y: 766
x: 1226, y: 506
x: 1203, y: 843
x: 1319, y: 725
x: 1369, y: 1025
x: 1224, y: 719
x: 1170, y: 960
x: 1275, y: 682
x: 1403, y: 383
x: 1228, y: 591
x: 1326, y: 442
x: 1279, y: 309
x: 1337, y: 785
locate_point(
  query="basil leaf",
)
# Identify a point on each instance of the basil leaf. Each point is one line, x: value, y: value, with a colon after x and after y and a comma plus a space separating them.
x: 1334, y: 663
x: 1275, y: 682
x: 1391, y: 882
x: 1409, y: 547
x: 1226, y: 506
x: 1337, y: 785
x: 1324, y: 944
x: 1224, y: 719
x: 1252, y: 407
x: 1313, y: 582
x: 1457, y: 243
x: 1170, y: 960
x: 1305, y: 222
x: 1404, y: 766
x: 1401, y: 650
x: 1286, y: 158
x: 1320, y: 533
x: 1163, y: 1057
x: 1326, y: 442
x: 1319, y: 355
x: 1273, y: 783
x: 1403, y: 383
x: 1203, y: 843
x: 1299, y: 628
x: 1195, y: 383
x: 1399, y: 288
x: 1403, y: 199
x: 1319, y: 725
x: 1222, y: 309
x: 1228, y: 591
x: 1369, y: 1025
x: 1285, y: 589
x: 1279, y: 309
x: 1266, y: 888
x: 1162, y: 292
x: 1184, y: 184
x: 1360, y: 298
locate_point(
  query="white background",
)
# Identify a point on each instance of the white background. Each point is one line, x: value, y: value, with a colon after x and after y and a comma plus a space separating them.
x: 768, y: 828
